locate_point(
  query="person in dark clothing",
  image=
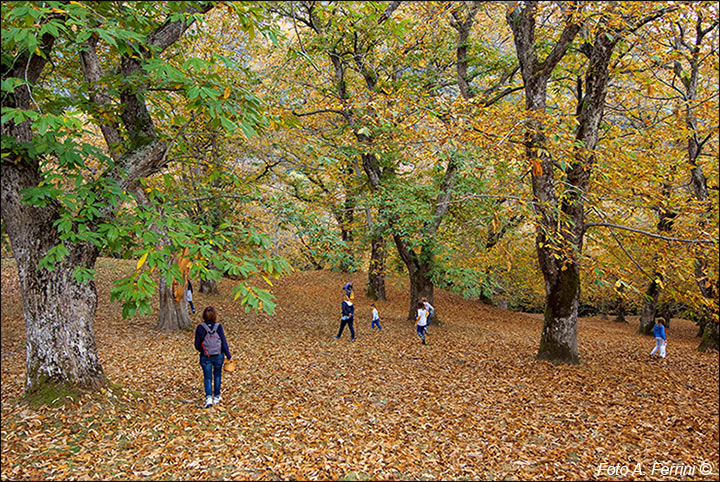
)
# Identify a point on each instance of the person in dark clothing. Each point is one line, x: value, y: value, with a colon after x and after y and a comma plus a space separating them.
x: 211, y: 343
x: 348, y: 313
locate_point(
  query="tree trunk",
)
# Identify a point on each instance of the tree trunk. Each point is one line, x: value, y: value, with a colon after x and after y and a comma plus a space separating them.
x: 710, y: 339
x: 173, y: 315
x: 59, y: 312
x: 420, y: 285
x: 376, y: 273
x: 649, y: 308
x: 620, y: 310
x: 59, y: 333
x: 208, y: 286
x: 558, y: 342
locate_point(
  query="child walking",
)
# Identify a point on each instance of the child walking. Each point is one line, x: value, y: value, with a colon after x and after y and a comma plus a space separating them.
x: 660, y: 339
x: 421, y: 321
x: 211, y: 343
x: 375, y: 318
x: 348, y: 313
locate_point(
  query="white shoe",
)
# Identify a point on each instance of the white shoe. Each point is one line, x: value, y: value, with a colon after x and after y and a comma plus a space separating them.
x: 216, y: 400
x: 208, y: 402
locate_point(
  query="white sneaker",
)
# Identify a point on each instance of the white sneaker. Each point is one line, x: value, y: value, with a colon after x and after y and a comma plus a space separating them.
x: 216, y: 400
x: 208, y: 402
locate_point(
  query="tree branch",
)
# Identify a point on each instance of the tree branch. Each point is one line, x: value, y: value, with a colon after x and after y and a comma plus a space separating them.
x: 652, y: 235
x: 93, y: 75
x: 388, y: 11
x: 319, y: 111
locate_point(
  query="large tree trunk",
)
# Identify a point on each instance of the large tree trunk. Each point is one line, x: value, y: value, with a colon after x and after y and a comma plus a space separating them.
x: 649, y: 308
x: 558, y: 342
x: 59, y: 312
x: 59, y: 315
x: 420, y: 285
x: 173, y: 315
x: 561, y: 229
x: 376, y: 273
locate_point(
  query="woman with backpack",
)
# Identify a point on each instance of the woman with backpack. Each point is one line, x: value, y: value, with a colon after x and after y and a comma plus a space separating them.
x: 211, y: 343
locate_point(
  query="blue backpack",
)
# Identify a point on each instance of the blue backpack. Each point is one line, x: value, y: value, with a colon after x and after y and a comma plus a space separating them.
x: 211, y: 343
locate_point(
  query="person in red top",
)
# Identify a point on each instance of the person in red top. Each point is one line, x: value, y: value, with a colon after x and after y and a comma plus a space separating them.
x: 212, y: 354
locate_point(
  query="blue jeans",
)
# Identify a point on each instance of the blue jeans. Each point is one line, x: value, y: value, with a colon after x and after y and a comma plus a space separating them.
x: 212, y: 369
x: 375, y: 322
x: 421, y: 332
x: 349, y: 323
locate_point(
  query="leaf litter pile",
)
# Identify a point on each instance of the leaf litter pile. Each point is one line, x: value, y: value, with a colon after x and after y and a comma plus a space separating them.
x: 471, y: 404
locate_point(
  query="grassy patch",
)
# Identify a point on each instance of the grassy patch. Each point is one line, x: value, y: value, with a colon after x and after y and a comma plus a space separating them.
x: 52, y: 395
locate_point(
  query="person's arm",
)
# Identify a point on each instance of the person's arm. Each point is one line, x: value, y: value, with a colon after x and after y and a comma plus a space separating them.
x: 199, y: 338
x: 663, y: 333
x: 225, y: 348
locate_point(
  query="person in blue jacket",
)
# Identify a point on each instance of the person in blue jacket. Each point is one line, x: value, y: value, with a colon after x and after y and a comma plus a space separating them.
x: 211, y: 343
x: 348, y: 314
x: 660, y: 339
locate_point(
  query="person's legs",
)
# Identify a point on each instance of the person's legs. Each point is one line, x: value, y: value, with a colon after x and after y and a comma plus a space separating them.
x: 658, y: 344
x: 421, y: 332
x: 352, y: 330
x: 207, y: 368
x: 217, y: 364
x: 342, y: 327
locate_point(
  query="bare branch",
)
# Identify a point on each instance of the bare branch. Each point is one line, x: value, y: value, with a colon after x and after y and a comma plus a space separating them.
x: 652, y: 235
x: 319, y: 111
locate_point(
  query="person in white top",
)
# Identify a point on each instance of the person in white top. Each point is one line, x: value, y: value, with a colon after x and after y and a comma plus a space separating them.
x: 421, y: 321
x: 375, y: 318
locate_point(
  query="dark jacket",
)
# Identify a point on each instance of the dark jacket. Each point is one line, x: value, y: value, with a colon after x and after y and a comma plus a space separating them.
x: 348, y: 309
x: 200, y: 333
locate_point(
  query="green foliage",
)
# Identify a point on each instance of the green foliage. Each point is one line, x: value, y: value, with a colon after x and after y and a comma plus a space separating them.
x: 83, y: 183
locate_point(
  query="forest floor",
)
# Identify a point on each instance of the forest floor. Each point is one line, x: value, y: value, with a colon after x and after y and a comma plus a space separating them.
x: 471, y: 404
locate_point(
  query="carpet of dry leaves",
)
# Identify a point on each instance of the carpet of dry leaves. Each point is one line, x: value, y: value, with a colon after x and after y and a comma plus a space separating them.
x: 472, y: 404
